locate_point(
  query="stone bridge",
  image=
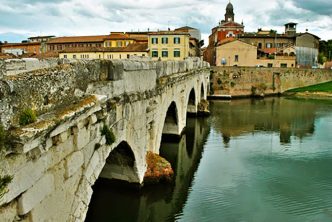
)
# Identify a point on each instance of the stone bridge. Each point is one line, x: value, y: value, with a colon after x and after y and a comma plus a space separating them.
x: 55, y: 161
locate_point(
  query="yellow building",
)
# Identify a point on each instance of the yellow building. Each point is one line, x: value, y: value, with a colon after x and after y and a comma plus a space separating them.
x: 168, y: 45
x: 118, y: 40
x: 231, y: 52
x: 137, y: 49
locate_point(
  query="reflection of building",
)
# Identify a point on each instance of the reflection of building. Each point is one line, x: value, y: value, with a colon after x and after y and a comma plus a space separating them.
x: 134, y: 49
x: 169, y: 45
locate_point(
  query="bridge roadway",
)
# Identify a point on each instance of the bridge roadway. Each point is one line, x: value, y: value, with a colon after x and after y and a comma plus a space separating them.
x: 56, y: 160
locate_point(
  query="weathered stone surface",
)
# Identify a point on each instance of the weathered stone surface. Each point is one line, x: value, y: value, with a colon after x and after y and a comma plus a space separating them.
x: 35, y: 194
x: 73, y: 163
x: 82, y: 138
x: 66, y: 141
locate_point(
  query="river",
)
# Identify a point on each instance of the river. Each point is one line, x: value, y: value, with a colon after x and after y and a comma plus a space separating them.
x: 251, y: 160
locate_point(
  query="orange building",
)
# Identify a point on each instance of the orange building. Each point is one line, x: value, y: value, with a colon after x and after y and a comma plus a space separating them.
x: 22, y: 48
x: 227, y: 28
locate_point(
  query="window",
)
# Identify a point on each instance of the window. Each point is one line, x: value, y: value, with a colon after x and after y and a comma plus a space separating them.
x: 176, y: 53
x: 154, y: 53
x: 176, y: 40
x: 259, y: 45
x: 74, y: 56
x: 283, y: 65
x: 119, y: 43
x: 143, y: 55
x: 164, y: 40
x: 164, y: 53
x: 268, y: 45
x: 154, y: 40
x: 65, y: 56
x: 236, y: 58
x: 128, y: 56
x: 120, y: 56
x: 270, y: 65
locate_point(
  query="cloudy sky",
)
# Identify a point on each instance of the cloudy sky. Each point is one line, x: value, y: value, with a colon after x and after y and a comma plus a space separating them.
x: 23, y: 18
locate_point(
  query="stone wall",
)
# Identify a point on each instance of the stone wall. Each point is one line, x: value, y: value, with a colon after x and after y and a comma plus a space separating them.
x: 44, y: 89
x: 56, y: 160
x: 245, y: 81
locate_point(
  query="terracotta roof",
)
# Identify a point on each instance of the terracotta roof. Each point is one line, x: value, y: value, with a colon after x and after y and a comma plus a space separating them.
x: 135, y: 47
x: 19, y: 44
x: 268, y: 50
x: 184, y: 28
x: 168, y: 33
x: 77, y: 39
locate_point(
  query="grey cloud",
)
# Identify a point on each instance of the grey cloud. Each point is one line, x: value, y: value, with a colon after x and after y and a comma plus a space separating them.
x: 319, y: 7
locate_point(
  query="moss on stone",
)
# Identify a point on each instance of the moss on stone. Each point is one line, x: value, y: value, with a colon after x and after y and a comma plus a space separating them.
x: 109, y: 135
x: 4, y: 181
x: 27, y: 116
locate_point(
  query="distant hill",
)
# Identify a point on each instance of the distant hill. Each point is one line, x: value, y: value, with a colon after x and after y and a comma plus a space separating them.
x: 12, y: 37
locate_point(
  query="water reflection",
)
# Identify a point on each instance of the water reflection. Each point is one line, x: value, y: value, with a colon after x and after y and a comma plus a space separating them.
x: 284, y: 116
x: 113, y: 202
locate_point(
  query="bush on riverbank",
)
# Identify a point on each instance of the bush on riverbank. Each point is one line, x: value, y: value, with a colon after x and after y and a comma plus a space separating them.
x: 158, y: 169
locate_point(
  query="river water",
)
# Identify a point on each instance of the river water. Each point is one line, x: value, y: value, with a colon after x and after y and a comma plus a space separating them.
x: 251, y: 160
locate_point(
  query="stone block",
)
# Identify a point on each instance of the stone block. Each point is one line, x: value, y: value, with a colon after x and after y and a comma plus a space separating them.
x: 82, y: 138
x: 73, y: 163
x: 35, y: 194
x: 93, y: 119
x: 25, y: 177
x: 90, y: 170
x: 31, y: 145
x: 116, y: 70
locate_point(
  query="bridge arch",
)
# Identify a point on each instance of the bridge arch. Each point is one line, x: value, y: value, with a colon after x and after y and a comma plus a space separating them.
x: 171, y: 122
x: 121, y: 164
x: 202, y: 91
x: 192, y: 102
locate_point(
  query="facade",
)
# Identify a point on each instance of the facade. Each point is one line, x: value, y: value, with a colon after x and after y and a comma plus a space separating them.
x: 234, y: 52
x: 227, y: 28
x: 136, y: 49
x: 62, y: 43
x: 194, y: 40
x: 168, y: 45
x: 21, y: 48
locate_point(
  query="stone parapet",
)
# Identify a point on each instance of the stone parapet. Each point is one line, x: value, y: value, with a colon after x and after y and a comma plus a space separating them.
x: 43, y: 85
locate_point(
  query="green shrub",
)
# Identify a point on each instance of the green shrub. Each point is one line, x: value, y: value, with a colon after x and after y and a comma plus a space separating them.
x: 4, y: 181
x: 27, y: 116
x: 109, y: 135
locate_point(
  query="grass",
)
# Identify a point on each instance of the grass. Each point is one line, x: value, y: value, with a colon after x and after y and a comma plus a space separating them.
x: 27, y: 116
x: 109, y: 135
x: 323, y: 87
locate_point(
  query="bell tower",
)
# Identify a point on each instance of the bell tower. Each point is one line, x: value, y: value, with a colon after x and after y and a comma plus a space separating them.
x: 229, y: 16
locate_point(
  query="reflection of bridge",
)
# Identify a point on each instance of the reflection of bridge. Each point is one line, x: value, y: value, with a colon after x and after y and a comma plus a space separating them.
x: 56, y: 160
x: 161, y: 202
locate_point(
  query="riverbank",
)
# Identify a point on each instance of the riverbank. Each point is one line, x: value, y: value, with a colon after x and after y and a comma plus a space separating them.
x: 323, y: 90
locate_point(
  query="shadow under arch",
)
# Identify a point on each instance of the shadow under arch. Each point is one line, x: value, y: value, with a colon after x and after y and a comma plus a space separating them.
x: 171, y: 123
x: 202, y: 91
x: 121, y: 164
x: 192, y: 109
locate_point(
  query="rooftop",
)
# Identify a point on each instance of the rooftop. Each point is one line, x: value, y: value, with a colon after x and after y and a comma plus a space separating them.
x: 135, y: 47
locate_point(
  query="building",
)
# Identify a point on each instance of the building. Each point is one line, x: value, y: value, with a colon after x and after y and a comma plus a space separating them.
x: 40, y: 38
x: 21, y: 48
x: 235, y: 52
x: 195, y: 42
x: 227, y: 28
x: 62, y: 43
x: 168, y: 45
x: 304, y: 45
x: 134, y: 49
